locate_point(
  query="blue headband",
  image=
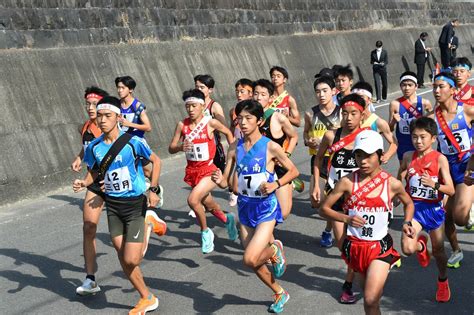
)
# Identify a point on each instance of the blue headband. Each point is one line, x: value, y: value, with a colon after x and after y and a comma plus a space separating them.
x: 446, y: 79
x: 462, y: 65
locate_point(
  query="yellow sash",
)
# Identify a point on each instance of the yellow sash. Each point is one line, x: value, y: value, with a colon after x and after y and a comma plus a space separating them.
x: 279, y: 99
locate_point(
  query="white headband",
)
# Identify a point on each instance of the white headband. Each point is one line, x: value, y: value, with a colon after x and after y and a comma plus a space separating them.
x: 408, y: 77
x: 194, y: 100
x: 110, y: 107
x: 363, y: 92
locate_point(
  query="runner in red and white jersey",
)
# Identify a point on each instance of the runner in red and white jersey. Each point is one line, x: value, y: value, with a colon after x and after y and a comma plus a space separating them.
x: 283, y: 102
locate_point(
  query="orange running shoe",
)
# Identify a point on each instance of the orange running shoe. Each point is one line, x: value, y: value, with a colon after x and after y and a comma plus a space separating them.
x: 424, y: 255
x: 159, y: 226
x: 443, y: 294
x: 145, y: 305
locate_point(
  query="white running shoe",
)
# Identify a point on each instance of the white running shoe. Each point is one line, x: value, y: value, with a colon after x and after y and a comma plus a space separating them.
x: 192, y: 214
x: 455, y: 260
x: 160, y: 203
x: 470, y: 222
x: 232, y: 199
x: 88, y: 287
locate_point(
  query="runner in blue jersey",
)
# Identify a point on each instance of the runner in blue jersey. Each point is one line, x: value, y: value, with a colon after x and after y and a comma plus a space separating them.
x: 455, y: 130
x: 255, y: 157
x: 405, y: 109
x: 126, y: 203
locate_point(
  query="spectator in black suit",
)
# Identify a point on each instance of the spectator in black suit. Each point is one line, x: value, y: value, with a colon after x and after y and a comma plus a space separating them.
x: 454, y: 46
x: 379, y: 61
x: 421, y: 56
x: 444, y: 42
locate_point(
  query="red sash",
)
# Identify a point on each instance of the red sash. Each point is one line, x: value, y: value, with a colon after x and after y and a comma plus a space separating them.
x: 449, y: 134
x: 345, y: 141
x: 458, y: 96
x: 469, y: 101
x: 364, y: 190
x: 413, y: 111
x: 89, y: 125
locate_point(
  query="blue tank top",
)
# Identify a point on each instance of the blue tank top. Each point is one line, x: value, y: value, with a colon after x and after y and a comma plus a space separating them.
x: 251, y: 168
x: 125, y: 177
x: 462, y: 132
x: 130, y: 115
x: 403, y: 126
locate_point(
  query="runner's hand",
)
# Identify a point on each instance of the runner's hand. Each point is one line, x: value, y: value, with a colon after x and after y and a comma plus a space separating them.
x: 396, y: 117
x: 153, y: 200
x: 427, y: 180
x: 469, y: 178
x: 217, y: 176
x: 267, y: 188
x: 76, y: 165
x: 187, y: 145
x: 78, y: 185
x: 356, y: 221
x: 384, y: 159
x: 408, y: 230
x: 102, y: 185
x: 124, y: 122
x: 316, y: 196
x: 313, y: 143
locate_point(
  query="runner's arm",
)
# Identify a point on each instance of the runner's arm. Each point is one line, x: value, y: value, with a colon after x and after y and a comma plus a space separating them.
x: 408, y: 206
x: 218, y: 113
x: 217, y: 125
x: 384, y: 129
x: 469, y: 174
x: 175, y: 145
x: 76, y: 165
x: 224, y: 180
x: 294, y: 115
x: 307, y: 127
x: 231, y: 120
x: 448, y: 186
x: 402, y: 170
x: 80, y: 184
x: 394, y: 116
x: 155, y: 178
x: 428, y: 108
x: 318, y: 164
x: 145, y: 126
x: 289, y: 131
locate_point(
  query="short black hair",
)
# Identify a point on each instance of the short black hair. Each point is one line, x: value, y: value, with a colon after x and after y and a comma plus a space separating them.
x: 94, y: 89
x: 251, y: 106
x: 353, y: 98
x: 112, y: 100
x: 344, y: 71
x: 193, y: 93
x: 205, y: 79
x: 325, y: 72
x: 126, y: 80
x: 425, y: 123
x: 279, y: 69
x: 362, y: 85
x: 324, y: 79
x: 461, y: 61
x: 266, y: 84
x: 424, y: 34
x: 410, y: 73
x: 378, y: 44
x: 244, y: 82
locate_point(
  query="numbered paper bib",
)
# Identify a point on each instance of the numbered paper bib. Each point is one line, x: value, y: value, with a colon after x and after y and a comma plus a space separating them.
x: 118, y: 180
x: 336, y: 173
x: 404, y: 126
x: 200, y: 152
x: 461, y: 136
x: 375, y: 228
x: 249, y: 184
x: 284, y: 111
x: 420, y: 191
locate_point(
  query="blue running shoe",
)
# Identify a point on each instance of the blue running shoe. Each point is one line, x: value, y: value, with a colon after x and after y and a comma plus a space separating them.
x: 326, y: 240
x: 207, y: 237
x: 231, y: 227
x: 278, y: 260
x: 280, y: 301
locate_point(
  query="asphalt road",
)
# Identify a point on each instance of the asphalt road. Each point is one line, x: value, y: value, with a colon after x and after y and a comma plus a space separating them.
x: 41, y: 262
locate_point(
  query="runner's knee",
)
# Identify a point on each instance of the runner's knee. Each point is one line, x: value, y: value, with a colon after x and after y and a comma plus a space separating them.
x: 89, y: 229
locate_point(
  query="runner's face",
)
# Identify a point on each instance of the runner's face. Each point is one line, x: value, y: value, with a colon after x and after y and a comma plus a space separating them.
x: 343, y: 83
x: 367, y: 163
x: 442, y: 91
x: 408, y: 88
x: 91, y: 107
x: 107, y: 120
x: 278, y: 78
x: 248, y: 123
x: 462, y: 75
x: 123, y: 91
x: 261, y: 95
x: 195, y: 110
x: 422, y: 140
x: 203, y: 88
x: 324, y: 93
x: 243, y: 93
x: 351, y: 117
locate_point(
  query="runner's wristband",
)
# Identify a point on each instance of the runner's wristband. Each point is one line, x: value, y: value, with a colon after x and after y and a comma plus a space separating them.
x: 155, y: 189
x: 288, y: 154
x: 407, y: 223
x: 278, y: 183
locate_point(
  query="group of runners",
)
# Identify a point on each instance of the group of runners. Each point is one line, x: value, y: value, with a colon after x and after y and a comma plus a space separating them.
x: 348, y: 185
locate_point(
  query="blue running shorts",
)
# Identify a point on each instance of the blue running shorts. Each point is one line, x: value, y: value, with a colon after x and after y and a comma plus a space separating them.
x: 253, y: 211
x: 430, y: 215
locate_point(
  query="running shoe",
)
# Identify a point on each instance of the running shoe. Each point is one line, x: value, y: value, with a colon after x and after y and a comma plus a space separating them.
x: 347, y: 297
x: 231, y: 227
x: 232, y: 199
x: 280, y: 301
x: 443, y: 293
x: 397, y: 264
x: 207, y: 238
x: 298, y: 185
x: 191, y: 213
x: 278, y: 259
x: 326, y: 240
x: 158, y: 225
x: 470, y: 223
x: 88, y: 287
x: 455, y: 260
x: 160, y: 203
x: 145, y: 305
x: 424, y: 255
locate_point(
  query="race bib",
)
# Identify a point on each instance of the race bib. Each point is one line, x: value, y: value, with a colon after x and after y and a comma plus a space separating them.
x: 462, y: 138
x: 420, y: 191
x: 249, y: 184
x: 284, y: 111
x: 335, y: 174
x: 200, y: 152
x: 404, y: 126
x: 375, y: 228
x: 118, y: 180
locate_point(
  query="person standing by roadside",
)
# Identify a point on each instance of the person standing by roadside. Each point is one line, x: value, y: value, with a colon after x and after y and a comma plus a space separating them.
x: 444, y: 42
x: 421, y: 56
x: 379, y: 61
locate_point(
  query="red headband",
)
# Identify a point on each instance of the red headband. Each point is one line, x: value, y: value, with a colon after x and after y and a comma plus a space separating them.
x: 352, y: 103
x: 93, y: 95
